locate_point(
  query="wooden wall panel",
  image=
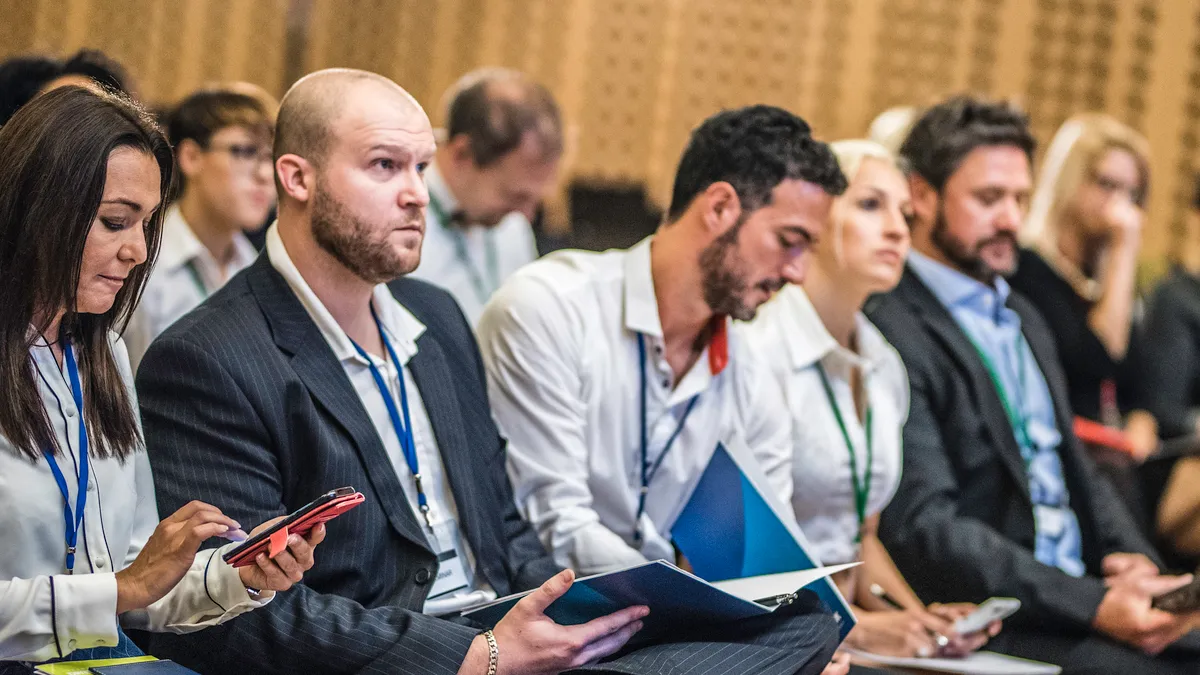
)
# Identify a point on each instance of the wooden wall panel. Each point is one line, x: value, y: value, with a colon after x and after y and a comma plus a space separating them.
x: 635, y: 76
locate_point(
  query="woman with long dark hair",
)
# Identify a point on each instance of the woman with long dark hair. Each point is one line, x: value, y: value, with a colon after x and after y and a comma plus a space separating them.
x: 82, y: 176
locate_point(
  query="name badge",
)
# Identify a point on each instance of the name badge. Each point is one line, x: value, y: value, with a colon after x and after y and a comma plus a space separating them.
x: 452, y: 567
x: 1049, y: 520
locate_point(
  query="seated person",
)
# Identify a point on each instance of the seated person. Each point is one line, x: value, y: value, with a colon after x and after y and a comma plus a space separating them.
x: 1083, y: 235
x: 996, y: 496
x: 308, y: 372
x: 615, y: 375
x: 846, y: 392
x: 84, y: 552
x: 503, y: 149
x: 222, y: 141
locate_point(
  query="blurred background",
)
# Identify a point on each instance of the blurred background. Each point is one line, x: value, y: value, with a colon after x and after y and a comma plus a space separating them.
x: 634, y: 76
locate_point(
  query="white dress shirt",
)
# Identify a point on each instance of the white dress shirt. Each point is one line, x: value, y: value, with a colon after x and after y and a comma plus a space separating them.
x: 184, y: 274
x: 402, y: 330
x: 559, y: 342
x: 471, y: 261
x: 47, y: 612
x: 789, y: 334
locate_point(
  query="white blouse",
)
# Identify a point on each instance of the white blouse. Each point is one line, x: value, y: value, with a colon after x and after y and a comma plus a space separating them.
x: 792, y: 339
x: 46, y: 612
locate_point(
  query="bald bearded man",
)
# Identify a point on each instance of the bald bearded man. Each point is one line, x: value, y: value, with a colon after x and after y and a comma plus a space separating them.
x: 308, y: 371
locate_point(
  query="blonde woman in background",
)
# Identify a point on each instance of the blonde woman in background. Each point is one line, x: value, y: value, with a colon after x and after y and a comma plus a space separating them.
x: 846, y: 391
x: 1079, y: 268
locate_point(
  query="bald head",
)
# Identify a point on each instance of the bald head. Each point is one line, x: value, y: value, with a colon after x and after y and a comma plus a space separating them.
x: 311, y: 110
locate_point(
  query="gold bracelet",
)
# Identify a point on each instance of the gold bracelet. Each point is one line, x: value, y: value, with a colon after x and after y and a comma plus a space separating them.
x: 493, y: 652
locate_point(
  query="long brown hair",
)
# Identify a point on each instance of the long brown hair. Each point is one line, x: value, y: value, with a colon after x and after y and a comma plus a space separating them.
x: 53, y: 165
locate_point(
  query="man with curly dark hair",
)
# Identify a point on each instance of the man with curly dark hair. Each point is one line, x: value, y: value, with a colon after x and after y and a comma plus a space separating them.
x: 616, y: 374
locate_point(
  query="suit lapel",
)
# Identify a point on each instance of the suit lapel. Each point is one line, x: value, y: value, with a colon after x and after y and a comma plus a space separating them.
x: 432, y: 374
x: 325, y: 378
x: 942, y: 324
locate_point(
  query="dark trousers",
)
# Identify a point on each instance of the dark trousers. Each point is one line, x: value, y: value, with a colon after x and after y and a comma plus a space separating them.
x: 1097, y: 655
x: 798, y: 639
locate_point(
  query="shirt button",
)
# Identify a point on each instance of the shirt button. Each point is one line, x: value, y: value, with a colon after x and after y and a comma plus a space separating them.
x: 70, y: 412
x: 666, y: 383
x: 91, y: 485
x: 101, y: 643
x: 101, y: 562
x: 71, y: 644
x: 422, y: 576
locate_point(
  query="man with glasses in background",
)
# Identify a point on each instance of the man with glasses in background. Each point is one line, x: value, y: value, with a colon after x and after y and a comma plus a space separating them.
x: 222, y: 140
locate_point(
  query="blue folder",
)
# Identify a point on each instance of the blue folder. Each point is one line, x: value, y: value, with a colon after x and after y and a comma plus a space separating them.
x: 733, y: 526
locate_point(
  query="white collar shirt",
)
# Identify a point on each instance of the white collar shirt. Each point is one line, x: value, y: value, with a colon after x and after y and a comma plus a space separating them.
x: 402, y: 330
x: 47, y: 612
x: 790, y: 336
x: 469, y: 260
x: 184, y: 275
x: 560, y: 346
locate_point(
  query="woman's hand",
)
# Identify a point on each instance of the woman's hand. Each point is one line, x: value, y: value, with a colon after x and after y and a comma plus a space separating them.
x: 285, y: 569
x: 170, y: 552
x: 961, y: 645
x: 894, y: 633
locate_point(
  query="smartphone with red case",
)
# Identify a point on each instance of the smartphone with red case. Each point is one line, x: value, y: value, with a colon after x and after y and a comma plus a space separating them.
x: 273, y: 540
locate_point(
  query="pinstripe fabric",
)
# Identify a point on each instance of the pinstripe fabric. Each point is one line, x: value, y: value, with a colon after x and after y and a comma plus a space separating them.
x: 245, y: 406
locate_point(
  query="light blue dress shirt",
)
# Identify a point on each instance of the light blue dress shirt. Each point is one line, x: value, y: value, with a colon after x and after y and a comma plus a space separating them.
x: 995, y: 329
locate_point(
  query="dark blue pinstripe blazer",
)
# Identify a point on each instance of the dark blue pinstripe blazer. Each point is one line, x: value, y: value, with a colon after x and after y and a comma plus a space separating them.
x: 246, y: 407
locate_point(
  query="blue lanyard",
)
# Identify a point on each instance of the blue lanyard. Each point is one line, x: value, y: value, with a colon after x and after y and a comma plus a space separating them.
x: 648, y: 469
x: 72, y: 520
x: 483, y: 289
x: 403, y: 429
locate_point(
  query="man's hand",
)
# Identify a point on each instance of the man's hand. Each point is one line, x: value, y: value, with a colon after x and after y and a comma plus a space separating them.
x: 1125, y: 614
x: 532, y: 643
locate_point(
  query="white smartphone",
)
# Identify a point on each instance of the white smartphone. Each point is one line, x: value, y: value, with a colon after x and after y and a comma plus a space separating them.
x: 995, y: 609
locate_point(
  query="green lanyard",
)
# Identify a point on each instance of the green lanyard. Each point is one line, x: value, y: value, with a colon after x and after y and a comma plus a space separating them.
x: 483, y: 290
x: 1019, y: 421
x: 196, y: 278
x: 862, y: 490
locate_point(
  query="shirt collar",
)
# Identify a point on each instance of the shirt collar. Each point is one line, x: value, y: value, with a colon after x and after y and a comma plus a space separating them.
x: 181, y: 246
x: 401, y: 326
x: 641, y: 306
x: 957, y: 290
x: 809, y: 341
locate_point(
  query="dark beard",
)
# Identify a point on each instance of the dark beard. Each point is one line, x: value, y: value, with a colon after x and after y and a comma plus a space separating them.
x: 351, y: 241
x: 968, y: 260
x: 723, y: 276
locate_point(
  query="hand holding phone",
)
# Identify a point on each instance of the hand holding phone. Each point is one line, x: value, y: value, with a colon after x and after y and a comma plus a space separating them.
x: 273, y: 540
x: 994, y: 609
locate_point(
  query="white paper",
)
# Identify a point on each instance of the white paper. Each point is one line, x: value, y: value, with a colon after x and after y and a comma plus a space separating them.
x: 978, y: 663
x: 771, y: 585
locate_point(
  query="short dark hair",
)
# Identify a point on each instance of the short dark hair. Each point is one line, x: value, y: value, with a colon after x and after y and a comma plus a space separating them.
x: 100, y: 67
x: 21, y: 78
x: 496, y: 108
x: 208, y: 111
x: 946, y: 133
x: 54, y: 155
x: 754, y: 149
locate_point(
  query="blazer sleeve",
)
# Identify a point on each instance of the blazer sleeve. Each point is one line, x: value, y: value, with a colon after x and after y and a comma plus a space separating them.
x: 206, y: 441
x: 924, y: 528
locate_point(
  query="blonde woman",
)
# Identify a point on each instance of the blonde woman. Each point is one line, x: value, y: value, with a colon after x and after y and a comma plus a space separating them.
x: 1082, y: 238
x: 847, y: 393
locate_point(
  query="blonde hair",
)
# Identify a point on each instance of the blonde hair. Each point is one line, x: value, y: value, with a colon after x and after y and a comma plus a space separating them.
x: 1080, y: 143
x: 850, y: 155
x: 890, y: 128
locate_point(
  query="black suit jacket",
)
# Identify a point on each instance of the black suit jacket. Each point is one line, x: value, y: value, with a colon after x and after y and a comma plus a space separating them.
x: 961, y: 525
x: 246, y: 407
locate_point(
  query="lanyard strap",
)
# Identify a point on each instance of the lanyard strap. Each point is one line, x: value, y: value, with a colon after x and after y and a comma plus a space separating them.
x: 862, y: 489
x: 1019, y: 421
x: 198, y: 280
x: 403, y: 428
x: 649, y: 470
x: 483, y: 288
x: 72, y: 520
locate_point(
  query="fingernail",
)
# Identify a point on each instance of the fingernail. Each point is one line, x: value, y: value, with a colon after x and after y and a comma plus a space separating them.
x: 294, y: 540
x: 237, y: 525
x: 637, y: 626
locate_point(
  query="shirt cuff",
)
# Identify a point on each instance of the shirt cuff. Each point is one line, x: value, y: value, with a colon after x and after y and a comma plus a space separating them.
x: 224, y: 585
x: 84, y: 611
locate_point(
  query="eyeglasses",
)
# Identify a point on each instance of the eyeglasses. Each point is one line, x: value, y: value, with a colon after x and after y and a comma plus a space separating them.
x: 1113, y: 186
x: 246, y: 155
